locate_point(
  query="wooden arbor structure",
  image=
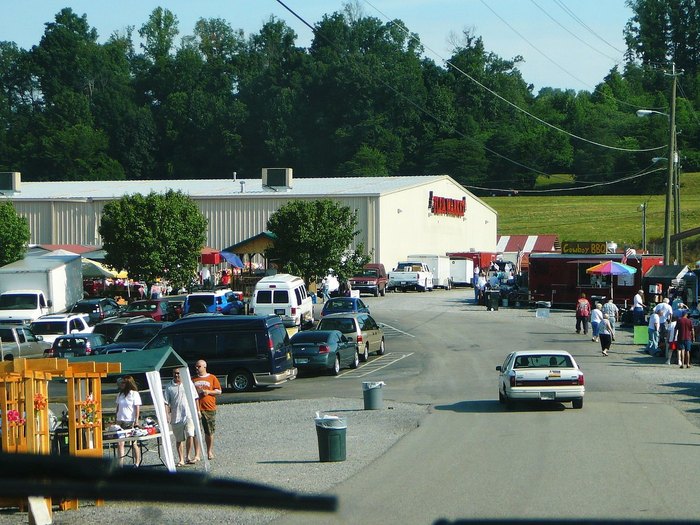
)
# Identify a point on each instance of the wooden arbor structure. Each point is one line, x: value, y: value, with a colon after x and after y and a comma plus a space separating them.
x: 24, y: 404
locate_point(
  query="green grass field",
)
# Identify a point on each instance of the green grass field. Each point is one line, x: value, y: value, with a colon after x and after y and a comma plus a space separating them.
x: 601, y: 218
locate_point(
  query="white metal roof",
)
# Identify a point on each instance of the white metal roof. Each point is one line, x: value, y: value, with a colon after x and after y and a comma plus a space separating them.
x: 217, y: 188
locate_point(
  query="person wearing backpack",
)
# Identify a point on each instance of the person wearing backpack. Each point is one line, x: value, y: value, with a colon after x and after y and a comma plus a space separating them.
x: 583, y: 312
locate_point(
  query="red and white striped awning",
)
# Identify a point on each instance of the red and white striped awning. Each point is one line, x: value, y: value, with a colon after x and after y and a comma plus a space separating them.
x: 527, y: 243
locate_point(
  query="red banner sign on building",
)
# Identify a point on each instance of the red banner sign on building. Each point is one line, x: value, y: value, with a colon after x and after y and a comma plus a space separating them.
x: 447, y: 206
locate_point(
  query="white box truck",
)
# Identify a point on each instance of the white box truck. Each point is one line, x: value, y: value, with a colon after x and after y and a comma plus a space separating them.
x: 439, y: 265
x: 462, y: 271
x: 39, y: 285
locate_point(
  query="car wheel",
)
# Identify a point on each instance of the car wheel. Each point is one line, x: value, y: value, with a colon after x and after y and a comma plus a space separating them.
x: 336, y: 366
x: 381, y: 348
x: 501, y: 398
x: 365, y: 353
x: 241, y: 381
x: 356, y: 360
x: 577, y: 403
x: 376, y: 292
x: 383, y: 292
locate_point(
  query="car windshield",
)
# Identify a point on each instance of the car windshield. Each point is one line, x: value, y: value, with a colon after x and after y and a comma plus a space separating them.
x: 309, y: 336
x: 338, y: 305
x: 85, y: 308
x: 543, y: 361
x: 136, y: 333
x: 206, y: 300
x: 49, y: 327
x: 18, y: 301
x: 343, y: 325
x: 141, y: 307
x: 369, y: 272
x: 70, y: 342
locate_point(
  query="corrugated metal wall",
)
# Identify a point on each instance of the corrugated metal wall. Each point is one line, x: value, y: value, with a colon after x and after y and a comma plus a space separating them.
x: 231, y: 220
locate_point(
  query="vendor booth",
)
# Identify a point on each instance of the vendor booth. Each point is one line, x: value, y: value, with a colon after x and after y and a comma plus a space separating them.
x: 150, y: 363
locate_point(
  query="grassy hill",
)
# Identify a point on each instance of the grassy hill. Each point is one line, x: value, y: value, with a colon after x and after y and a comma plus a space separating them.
x: 601, y: 218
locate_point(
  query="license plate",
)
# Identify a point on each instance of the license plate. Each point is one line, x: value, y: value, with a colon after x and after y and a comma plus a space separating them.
x: 301, y: 360
x: 67, y: 354
x: 548, y: 395
x: 279, y: 311
x: 404, y: 282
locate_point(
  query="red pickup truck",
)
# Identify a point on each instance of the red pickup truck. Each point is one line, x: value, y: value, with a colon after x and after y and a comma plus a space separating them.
x: 372, y: 279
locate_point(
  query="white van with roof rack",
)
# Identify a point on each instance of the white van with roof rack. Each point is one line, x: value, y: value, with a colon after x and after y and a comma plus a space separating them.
x: 284, y: 295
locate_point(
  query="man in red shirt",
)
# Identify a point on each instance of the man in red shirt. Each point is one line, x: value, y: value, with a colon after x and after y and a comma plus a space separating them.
x: 207, y: 386
x: 685, y: 335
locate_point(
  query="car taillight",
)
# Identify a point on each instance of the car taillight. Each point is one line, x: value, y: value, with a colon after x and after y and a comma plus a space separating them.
x: 270, y: 344
x: 218, y: 308
x: 512, y: 380
x: 294, y: 310
x: 48, y: 352
x: 324, y: 349
x: 359, y: 338
x: 581, y: 381
x: 88, y: 348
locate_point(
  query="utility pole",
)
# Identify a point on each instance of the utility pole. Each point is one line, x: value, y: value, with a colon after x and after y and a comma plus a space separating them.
x: 643, y: 207
x: 671, y: 167
x: 677, y: 204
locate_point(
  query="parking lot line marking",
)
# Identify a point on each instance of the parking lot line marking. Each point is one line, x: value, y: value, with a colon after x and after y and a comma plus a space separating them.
x: 371, y: 367
x: 396, y: 330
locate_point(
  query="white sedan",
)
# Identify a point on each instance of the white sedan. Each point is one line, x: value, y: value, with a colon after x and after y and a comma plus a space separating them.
x: 540, y: 375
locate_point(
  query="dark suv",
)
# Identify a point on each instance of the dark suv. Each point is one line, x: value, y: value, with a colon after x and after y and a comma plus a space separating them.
x: 246, y: 350
x: 110, y: 327
x: 97, y: 309
x: 133, y: 336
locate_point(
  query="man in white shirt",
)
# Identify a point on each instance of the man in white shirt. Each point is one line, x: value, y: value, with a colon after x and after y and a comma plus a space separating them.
x: 638, y: 308
x: 665, y: 313
x: 653, y: 345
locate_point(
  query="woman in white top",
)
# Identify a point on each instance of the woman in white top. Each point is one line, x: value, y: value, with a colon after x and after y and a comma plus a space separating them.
x: 128, y: 412
x: 606, y: 333
x: 596, y: 319
x: 671, y: 338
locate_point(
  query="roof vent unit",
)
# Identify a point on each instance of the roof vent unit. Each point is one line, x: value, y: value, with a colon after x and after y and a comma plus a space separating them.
x: 10, y: 182
x: 277, y: 177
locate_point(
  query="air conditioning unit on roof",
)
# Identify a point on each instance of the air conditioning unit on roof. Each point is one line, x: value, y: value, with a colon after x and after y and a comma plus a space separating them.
x: 10, y: 181
x: 277, y: 177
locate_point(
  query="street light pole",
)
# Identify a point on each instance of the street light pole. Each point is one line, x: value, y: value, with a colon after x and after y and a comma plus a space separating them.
x: 670, y: 178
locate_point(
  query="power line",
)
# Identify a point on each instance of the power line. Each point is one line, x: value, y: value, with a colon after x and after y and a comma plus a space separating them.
x: 595, y: 185
x: 518, y: 108
x: 552, y: 60
x: 573, y: 15
x: 612, y: 59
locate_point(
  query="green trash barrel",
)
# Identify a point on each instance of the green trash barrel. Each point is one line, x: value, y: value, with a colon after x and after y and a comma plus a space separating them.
x: 372, y: 394
x: 330, y: 431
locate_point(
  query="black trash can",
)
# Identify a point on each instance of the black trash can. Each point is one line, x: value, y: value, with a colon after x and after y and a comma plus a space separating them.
x: 493, y: 298
x: 330, y: 431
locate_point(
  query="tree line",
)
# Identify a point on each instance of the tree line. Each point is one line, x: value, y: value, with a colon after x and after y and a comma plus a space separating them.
x: 361, y: 100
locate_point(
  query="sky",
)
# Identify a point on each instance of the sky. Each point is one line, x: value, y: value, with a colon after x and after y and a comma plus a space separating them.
x: 565, y: 44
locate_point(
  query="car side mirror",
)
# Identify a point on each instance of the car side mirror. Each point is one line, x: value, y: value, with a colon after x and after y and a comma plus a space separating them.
x: 39, y: 337
x: 498, y: 368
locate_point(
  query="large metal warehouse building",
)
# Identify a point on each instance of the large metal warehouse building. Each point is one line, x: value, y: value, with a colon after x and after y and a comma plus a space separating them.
x: 397, y: 216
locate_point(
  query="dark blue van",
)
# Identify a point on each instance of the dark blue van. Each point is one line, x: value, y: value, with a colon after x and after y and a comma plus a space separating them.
x: 243, y: 351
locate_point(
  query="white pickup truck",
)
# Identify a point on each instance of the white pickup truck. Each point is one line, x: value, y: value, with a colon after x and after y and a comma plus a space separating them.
x: 411, y: 275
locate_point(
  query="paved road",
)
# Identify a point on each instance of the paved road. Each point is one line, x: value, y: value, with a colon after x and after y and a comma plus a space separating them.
x: 630, y: 453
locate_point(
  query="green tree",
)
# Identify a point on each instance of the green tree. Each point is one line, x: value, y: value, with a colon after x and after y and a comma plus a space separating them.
x: 159, y: 235
x: 313, y: 236
x: 14, y: 234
